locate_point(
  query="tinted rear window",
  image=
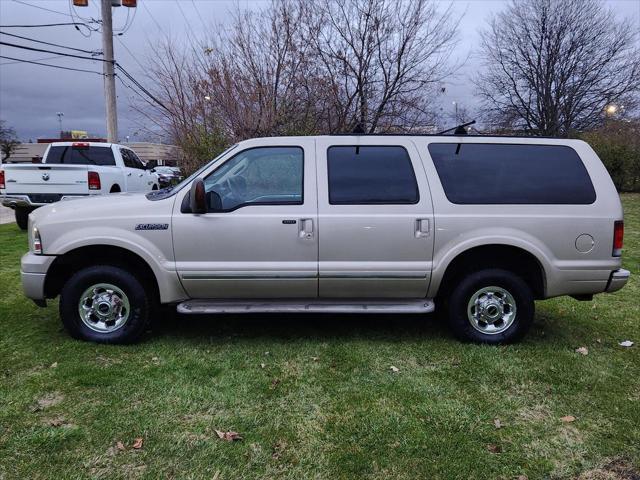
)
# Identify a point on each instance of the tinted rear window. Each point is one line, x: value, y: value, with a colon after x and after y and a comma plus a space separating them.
x: 81, y: 156
x: 371, y: 175
x: 483, y: 173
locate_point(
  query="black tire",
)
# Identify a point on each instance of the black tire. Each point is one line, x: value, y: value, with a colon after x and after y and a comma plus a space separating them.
x: 22, y: 217
x: 460, y: 296
x: 139, y: 301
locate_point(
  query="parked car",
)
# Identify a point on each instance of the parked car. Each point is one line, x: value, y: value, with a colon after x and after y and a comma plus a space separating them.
x: 167, y: 175
x: 72, y: 169
x: 478, y: 226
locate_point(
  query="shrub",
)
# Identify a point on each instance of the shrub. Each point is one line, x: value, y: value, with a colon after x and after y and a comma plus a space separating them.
x: 618, y: 146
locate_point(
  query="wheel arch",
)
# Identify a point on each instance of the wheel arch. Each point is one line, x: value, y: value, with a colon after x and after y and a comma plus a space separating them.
x: 493, y: 255
x: 68, y: 263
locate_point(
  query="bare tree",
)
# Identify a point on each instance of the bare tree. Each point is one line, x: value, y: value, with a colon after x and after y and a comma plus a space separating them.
x: 382, y: 60
x: 8, y: 140
x: 551, y: 66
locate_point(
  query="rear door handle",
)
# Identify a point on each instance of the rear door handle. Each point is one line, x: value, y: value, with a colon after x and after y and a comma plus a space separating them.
x: 306, y: 228
x: 422, y: 227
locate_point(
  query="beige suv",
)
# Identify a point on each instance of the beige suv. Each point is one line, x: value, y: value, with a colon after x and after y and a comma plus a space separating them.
x: 478, y: 226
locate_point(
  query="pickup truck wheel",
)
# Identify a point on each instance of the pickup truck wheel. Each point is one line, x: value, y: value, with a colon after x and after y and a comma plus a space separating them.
x: 491, y: 306
x: 22, y: 217
x: 104, y: 304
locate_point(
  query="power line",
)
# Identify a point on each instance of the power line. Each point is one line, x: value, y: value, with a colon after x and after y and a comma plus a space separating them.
x: 185, y: 17
x: 49, y: 65
x: 144, y: 4
x: 142, y: 89
x: 129, y: 52
x: 45, y: 25
x: 92, y: 52
x: 42, y: 8
x: 24, y: 47
x: 35, y: 60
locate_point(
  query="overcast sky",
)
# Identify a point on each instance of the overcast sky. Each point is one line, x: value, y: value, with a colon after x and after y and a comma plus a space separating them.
x: 31, y: 95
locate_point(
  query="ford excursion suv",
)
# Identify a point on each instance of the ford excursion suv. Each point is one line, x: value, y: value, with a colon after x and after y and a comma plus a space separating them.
x: 479, y: 227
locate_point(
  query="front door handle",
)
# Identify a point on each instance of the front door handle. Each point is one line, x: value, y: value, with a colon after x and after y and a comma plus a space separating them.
x: 422, y: 227
x: 306, y: 228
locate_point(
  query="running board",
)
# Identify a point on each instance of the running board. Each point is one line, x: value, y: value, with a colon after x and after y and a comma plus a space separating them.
x: 194, y: 307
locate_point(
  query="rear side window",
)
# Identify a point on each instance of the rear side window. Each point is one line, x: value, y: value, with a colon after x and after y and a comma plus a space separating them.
x: 81, y: 156
x: 370, y: 175
x: 483, y: 173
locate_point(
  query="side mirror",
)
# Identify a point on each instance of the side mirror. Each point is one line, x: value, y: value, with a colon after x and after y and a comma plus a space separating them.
x: 214, y: 201
x: 197, y: 197
x: 151, y: 164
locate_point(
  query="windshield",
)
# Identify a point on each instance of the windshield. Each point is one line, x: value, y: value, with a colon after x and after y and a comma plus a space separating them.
x: 167, y: 192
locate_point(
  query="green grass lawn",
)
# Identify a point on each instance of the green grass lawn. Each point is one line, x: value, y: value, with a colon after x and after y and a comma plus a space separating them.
x: 326, y: 404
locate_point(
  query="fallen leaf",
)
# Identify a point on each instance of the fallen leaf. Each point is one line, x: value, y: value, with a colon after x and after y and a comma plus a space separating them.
x: 262, y: 365
x: 54, y: 365
x: 315, y: 359
x: 56, y: 422
x: 120, y: 446
x: 266, y: 353
x: 568, y: 418
x: 497, y: 423
x: 626, y: 343
x: 494, y: 448
x: 598, y: 340
x: 582, y: 350
x: 137, y: 443
x: 394, y: 369
x: 228, y: 436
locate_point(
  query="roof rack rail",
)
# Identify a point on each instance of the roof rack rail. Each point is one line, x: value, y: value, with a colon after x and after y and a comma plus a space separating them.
x: 459, y: 129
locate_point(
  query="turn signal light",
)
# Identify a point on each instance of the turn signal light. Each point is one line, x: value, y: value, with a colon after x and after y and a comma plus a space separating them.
x: 80, y: 3
x: 2, y: 179
x: 129, y: 3
x: 618, y: 236
x: 94, y: 181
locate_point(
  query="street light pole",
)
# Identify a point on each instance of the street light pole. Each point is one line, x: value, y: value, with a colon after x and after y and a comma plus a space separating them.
x: 60, y: 115
x: 109, y: 74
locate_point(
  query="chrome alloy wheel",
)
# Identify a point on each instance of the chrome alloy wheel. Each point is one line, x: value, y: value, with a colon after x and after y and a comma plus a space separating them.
x: 104, y: 308
x: 491, y: 310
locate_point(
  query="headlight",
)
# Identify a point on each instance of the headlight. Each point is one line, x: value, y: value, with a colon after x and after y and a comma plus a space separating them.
x: 36, y: 242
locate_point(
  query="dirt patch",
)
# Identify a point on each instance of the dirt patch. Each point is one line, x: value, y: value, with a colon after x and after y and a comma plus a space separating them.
x: 48, y: 400
x: 57, y: 421
x: 618, y: 469
x: 536, y: 413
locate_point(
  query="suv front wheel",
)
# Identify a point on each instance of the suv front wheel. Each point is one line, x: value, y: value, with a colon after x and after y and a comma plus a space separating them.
x: 104, y: 304
x: 491, y: 306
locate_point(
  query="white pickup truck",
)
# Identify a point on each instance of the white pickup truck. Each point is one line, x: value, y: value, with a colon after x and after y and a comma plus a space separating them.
x: 72, y: 169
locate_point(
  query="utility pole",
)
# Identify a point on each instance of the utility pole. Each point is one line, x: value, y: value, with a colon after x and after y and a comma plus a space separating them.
x: 109, y: 74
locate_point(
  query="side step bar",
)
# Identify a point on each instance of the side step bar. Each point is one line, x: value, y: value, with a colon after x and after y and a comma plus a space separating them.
x: 420, y: 305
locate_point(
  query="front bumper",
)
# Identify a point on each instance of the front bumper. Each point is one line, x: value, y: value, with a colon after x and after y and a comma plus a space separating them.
x: 617, y: 280
x: 33, y: 273
x: 24, y: 201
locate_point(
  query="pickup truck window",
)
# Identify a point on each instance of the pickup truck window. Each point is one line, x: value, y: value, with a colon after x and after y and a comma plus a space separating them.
x: 485, y: 173
x: 81, y: 156
x: 259, y: 176
x: 130, y: 159
x: 364, y: 175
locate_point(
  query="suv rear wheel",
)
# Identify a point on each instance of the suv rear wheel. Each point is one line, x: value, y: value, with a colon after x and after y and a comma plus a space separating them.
x: 491, y: 306
x: 104, y: 304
